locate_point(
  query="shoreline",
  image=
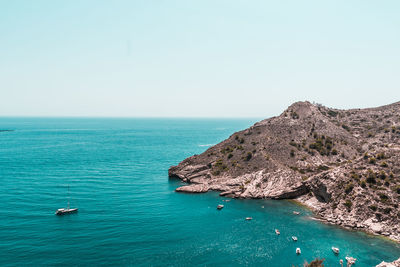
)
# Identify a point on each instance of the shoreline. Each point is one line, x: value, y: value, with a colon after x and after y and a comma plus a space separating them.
x: 304, y: 205
x: 318, y: 217
x: 297, y: 201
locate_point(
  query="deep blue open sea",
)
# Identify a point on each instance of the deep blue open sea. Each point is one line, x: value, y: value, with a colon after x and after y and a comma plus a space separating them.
x: 129, y: 214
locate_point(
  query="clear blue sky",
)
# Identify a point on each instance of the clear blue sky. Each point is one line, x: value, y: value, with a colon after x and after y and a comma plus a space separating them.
x: 206, y: 58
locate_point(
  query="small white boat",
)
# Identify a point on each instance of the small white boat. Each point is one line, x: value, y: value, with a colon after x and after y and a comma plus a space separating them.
x: 249, y: 218
x: 64, y: 211
x: 262, y: 207
x: 335, y: 250
x: 220, y: 207
x: 277, y: 232
x: 298, y: 251
x: 296, y: 212
x: 68, y: 210
x: 350, y: 260
x: 294, y: 238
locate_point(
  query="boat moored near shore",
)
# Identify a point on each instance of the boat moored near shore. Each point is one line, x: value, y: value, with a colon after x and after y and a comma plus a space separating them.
x: 335, y: 250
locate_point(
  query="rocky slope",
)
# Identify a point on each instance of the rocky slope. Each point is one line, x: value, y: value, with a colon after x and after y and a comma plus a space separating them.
x: 344, y: 164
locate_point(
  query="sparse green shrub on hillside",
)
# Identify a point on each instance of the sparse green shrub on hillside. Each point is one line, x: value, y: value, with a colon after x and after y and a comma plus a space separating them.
x: 383, y: 197
x: 387, y: 210
x: 380, y: 156
x: 219, y: 167
x: 249, y: 155
x: 373, y: 207
x: 348, y: 204
x: 349, y: 188
x: 354, y: 176
x: 294, y: 115
x: 323, y: 168
x: 387, y: 183
x: 397, y: 189
x: 227, y: 149
x: 371, y: 177
x: 323, y: 144
x: 332, y: 113
x: 347, y: 128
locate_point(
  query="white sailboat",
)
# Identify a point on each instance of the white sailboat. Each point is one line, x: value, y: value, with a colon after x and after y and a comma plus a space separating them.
x: 66, y: 210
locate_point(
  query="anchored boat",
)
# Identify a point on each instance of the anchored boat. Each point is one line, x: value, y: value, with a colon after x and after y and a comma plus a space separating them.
x: 277, y: 232
x: 298, y: 251
x: 335, y: 250
x: 294, y: 238
x: 220, y: 207
x: 67, y: 210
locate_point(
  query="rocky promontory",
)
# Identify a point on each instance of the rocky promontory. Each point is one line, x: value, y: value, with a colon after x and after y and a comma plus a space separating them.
x: 343, y: 164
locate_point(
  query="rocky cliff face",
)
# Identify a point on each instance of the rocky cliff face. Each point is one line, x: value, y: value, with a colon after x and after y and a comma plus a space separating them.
x: 344, y: 164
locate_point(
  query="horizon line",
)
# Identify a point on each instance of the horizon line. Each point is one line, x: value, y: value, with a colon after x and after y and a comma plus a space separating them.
x: 125, y: 117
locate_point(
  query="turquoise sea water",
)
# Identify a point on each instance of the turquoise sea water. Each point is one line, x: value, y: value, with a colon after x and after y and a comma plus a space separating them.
x: 129, y: 213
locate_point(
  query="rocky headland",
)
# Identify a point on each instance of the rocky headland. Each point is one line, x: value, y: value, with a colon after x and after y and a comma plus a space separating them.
x: 343, y: 164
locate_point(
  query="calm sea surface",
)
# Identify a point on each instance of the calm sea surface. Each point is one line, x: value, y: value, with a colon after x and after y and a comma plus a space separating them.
x: 129, y: 214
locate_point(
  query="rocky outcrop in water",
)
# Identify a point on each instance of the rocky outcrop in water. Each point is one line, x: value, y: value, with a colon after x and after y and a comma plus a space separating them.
x: 344, y: 164
x: 389, y: 264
